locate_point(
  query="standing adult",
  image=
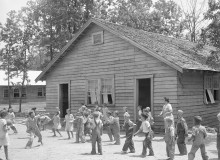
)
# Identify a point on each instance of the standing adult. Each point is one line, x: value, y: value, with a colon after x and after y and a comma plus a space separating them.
x: 167, y: 112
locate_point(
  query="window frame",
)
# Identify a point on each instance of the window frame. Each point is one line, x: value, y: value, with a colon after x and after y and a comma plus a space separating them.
x: 95, y: 34
x: 100, y: 93
x: 5, y: 89
x: 43, y: 91
x: 16, y: 93
x: 211, y: 84
x: 23, y: 92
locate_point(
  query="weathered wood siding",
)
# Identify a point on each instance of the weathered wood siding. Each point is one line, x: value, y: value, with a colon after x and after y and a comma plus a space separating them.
x: 31, y: 95
x: 191, y: 99
x: 117, y: 58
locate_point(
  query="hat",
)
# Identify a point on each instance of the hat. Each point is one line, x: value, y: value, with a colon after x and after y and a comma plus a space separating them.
x: 198, y: 118
x: 180, y: 112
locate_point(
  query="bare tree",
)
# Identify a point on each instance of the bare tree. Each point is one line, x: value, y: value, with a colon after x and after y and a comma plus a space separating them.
x: 194, y: 16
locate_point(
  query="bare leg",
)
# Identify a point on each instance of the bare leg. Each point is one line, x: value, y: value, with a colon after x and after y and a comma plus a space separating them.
x: 6, y: 152
x: 71, y: 133
x: 54, y: 132
x: 59, y: 132
x: 68, y: 134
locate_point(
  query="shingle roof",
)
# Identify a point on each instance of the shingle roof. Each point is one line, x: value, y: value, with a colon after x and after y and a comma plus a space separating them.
x: 179, y: 54
x: 177, y: 51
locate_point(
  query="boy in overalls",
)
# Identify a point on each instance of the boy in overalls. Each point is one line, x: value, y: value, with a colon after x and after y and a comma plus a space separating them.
x: 96, y: 125
x: 129, y: 130
x: 80, y: 128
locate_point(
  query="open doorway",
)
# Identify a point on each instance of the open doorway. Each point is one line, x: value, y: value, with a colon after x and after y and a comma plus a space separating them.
x: 63, y: 99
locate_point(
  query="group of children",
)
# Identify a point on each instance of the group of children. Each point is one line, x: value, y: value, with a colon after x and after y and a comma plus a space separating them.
x: 92, y: 122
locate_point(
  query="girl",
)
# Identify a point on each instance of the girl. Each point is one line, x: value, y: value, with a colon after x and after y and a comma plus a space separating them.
x: 116, y: 127
x: 69, y: 119
x: 56, y: 124
x: 109, y: 125
x: 146, y: 129
x: 4, y: 138
x: 11, y: 119
x: 170, y: 138
x: 32, y: 129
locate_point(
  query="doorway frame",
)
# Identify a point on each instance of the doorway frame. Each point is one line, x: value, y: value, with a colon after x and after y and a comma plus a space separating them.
x: 59, y: 93
x: 151, y: 77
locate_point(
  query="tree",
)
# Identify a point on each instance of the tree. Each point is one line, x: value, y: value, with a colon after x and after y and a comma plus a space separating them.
x: 211, y: 33
x: 10, y: 34
x: 193, y: 12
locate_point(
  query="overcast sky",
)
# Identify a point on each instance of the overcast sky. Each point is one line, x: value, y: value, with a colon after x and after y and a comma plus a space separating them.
x: 7, y: 5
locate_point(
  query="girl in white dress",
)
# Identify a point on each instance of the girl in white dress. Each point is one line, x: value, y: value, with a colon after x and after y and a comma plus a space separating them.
x: 56, y: 124
x: 4, y: 138
x: 69, y: 119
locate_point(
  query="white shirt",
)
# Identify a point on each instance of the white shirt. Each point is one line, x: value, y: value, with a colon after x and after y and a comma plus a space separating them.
x: 145, y: 126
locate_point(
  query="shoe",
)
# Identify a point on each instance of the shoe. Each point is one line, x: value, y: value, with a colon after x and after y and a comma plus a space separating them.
x: 123, y: 152
x: 143, y: 155
x: 132, y: 152
x: 93, y: 153
x: 151, y: 155
x: 100, y: 153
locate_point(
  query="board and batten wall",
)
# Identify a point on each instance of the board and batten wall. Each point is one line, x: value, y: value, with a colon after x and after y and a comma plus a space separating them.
x: 191, y: 99
x: 117, y: 58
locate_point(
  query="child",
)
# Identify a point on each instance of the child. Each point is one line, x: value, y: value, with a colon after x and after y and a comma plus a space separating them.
x: 56, y: 124
x: 32, y: 129
x: 109, y: 125
x: 170, y: 138
x: 87, y: 129
x: 218, y: 136
x: 198, y: 136
x: 80, y: 127
x: 146, y: 129
x: 11, y: 119
x: 116, y: 128
x: 150, y: 119
x: 181, y: 133
x: 69, y: 119
x: 4, y: 138
x: 96, y: 125
x: 129, y: 130
x: 44, y: 120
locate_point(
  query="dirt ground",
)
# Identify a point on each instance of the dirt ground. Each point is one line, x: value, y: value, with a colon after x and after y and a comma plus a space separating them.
x: 60, y: 148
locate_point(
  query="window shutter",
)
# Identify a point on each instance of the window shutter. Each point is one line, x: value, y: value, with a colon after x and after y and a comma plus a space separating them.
x: 216, y: 80
x: 97, y: 38
x: 208, y: 82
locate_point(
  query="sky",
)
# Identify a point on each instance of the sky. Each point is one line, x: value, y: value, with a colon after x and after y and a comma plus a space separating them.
x: 8, y: 5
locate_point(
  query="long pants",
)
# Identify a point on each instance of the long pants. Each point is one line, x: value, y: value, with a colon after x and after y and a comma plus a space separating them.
x: 117, y: 137
x: 193, y: 150
x: 170, y: 149
x: 147, y: 144
x: 96, y: 138
x: 129, y: 143
x: 181, y: 144
x: 110, y: 132
x: 80, y: 135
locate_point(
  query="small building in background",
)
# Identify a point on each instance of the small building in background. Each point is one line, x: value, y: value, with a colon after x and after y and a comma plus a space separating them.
x: 32, y: 91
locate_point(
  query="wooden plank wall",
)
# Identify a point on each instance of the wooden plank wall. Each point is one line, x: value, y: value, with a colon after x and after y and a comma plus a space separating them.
x: 115, y: 58
x: 191, y: 99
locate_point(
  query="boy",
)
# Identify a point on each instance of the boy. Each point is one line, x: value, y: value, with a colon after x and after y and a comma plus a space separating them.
x: 96, y: 125
x: 109, y: 126
x: 79, y: 128
x: 146, y: 129
x: 116, y: 128
x: 181, y: 133
x: 218, y: 136
x: 170, y: 138
x: 129, y: 130
x: 198, y: 136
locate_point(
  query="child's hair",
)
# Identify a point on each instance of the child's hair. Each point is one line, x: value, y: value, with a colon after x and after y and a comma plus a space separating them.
x: 96, y: 114
x: 167, y: 99
x: 145, y: 116
x: 3, y: 114
x: 57, y: 113
x: 125, y: 108
x: 29, y: 113
x: 116, y: 113
x: 197, y: 120
x: 109, y: 113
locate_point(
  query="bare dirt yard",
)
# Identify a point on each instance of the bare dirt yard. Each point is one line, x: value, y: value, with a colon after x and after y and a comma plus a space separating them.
x: 60, y: 148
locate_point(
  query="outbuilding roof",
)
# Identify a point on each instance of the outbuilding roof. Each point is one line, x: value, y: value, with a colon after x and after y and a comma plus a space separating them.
x: 178, y: 53
x: 32, y: 75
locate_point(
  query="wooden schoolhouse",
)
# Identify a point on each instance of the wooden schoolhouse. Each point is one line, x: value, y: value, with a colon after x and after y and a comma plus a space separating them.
x: 32, y: 91
x: 123, y: 66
